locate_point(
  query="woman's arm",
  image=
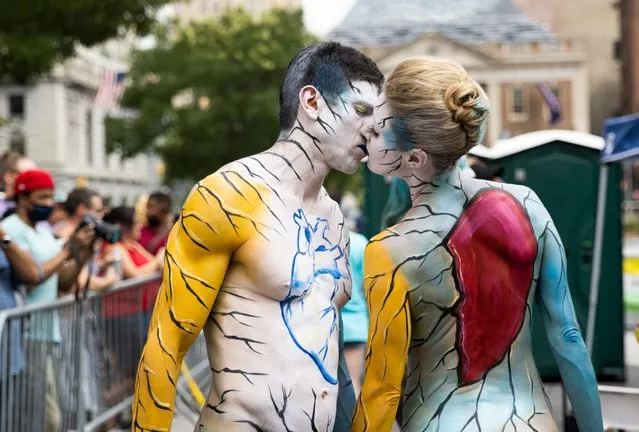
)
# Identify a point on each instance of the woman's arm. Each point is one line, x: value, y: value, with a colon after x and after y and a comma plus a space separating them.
x: 388, y: 342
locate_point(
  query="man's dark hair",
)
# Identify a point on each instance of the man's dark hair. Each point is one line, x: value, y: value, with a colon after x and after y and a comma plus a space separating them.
x: 161, y: 198
x: 331, y: 68
x: 79, y: 196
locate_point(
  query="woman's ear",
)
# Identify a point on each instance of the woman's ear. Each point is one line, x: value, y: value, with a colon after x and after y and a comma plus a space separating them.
x: 309, y: 98
x: 416, y: 159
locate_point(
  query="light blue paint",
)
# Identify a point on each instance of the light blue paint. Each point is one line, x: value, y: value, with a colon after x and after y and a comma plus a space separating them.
x: 555, y: 304
x: 316, y: 256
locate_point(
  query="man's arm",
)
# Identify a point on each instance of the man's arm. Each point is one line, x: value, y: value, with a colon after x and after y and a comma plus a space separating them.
x: 213, y: 224
x: 388, y: 342
x: 555, y: 305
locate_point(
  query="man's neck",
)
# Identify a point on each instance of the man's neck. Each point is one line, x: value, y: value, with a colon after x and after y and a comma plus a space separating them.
x: 24, y: 217
x: 302, y: 153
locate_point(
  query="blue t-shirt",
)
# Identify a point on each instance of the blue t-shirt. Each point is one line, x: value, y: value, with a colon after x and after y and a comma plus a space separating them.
x: 43, y: 246
x: 12, y: 328
x: 355, y: 312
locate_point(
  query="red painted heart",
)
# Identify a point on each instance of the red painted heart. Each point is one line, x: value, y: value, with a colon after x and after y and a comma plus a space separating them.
x: 494, y: 249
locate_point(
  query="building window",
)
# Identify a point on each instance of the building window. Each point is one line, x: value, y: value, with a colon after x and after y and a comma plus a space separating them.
x: 518, y: 104
x: 16, y: 106
x: 88, y: 128
x: 17, y: 142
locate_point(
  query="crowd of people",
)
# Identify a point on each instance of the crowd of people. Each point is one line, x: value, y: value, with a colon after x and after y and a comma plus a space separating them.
x: 52, y: 247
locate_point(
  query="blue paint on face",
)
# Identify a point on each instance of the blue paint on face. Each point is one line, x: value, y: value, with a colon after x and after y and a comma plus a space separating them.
x: 402, y: 136
x: 330, y: 81
x: 316, y: 256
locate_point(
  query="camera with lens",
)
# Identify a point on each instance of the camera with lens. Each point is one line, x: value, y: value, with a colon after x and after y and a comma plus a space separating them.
x: 104, y: 230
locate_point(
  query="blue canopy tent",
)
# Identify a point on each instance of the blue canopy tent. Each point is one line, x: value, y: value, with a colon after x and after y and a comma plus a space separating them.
x: 621, y: 135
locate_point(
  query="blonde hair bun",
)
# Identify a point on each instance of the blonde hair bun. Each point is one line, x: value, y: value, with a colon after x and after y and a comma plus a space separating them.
x: 437, y: 107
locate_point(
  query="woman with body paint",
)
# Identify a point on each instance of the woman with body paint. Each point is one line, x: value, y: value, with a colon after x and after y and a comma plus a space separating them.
x: 451, y: 286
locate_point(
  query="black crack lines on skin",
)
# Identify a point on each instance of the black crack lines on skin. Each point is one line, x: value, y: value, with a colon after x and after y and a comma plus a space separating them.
x: 183, y: 220
x: 286, y: 161
x: 255, y: 427
x: 255, y: 175
x: 530, y: 198
x: 226, y: 291
x: 421, y: 182
x: 247, y: 375
x: 386, y: 151
x: 390, y: 234
x: 344, y: 103
x: 404, y: 310
x: 459, y: 188
x: 394, y: 165
x: 382, y: 123
x: 217, y: 407
x: 311, y: 417
x: 325, y: 126
x: 301, y: 148
x: 185, y: 278
x: 442, y: 360
x: 414, y: 392
x: 419, y: 342
x: 158, y: 404
x: 514, y: 414
x: 281, y: 410
x: 316, y: 141
x: 431, y: 213
x: 475, y: 416
x: 233, y: 186
x: 230, y: 214
x: 247, y: 341
x: 380, y: 105
x: 179, y: 323
x: 355, y: 88
x: 235, y: 314
x: 259, y: 195
x: 165, y: 351
x: 336, y: 115
x: 253, y: 158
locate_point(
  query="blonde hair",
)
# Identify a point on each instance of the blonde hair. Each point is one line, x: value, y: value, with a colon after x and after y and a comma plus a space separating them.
x: 436, y: 107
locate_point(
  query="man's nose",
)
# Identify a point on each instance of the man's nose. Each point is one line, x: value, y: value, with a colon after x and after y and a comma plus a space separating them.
x: 366, y: 131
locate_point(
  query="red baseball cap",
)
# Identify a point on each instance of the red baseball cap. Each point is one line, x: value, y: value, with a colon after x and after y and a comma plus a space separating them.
x: 31, y: 180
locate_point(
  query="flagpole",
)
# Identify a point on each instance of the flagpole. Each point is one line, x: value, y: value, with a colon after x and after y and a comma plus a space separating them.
x: 596, y: 261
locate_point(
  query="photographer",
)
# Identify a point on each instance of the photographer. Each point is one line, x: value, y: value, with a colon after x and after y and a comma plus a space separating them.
x: 58, y: 268
x: 84, y: 205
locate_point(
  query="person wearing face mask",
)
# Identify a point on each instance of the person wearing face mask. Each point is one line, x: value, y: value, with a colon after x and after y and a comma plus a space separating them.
x: 155, y: 233
x: 58, y: 267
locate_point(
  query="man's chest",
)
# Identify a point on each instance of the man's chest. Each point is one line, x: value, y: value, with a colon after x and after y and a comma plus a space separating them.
x: 308, y: 254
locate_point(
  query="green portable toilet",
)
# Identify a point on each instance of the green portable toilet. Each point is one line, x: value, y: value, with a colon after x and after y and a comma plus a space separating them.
x: 562, y: 167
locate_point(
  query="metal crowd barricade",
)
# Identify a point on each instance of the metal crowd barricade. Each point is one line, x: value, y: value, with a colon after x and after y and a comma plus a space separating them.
x: 70, y: 365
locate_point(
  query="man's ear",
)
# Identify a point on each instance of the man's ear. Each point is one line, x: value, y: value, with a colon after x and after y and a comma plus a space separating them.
x: 310, y: 101
x: 416, y: 158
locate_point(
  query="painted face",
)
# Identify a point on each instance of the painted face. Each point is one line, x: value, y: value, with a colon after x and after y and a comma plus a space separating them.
x: 383, y: 156
x: 345, y: 123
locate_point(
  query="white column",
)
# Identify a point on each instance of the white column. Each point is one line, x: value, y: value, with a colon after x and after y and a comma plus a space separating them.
x: 580, y: 101
x: 494, y: 120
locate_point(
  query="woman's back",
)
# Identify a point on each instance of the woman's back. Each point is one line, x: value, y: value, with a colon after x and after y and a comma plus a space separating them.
x: 469, y: 257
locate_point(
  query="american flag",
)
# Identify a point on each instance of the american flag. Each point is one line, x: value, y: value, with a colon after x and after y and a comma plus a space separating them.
x: 110, y: 89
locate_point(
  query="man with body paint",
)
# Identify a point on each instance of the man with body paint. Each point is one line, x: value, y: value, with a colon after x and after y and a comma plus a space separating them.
x: 258, y: 261
x: 451, y: 286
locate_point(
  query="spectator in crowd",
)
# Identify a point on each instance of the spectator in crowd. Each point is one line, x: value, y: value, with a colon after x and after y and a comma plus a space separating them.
x: 58, y: 268
x: 59, y: 214
x: 16, y: 265
x: 127, y: 313
x: 11, y: 164
x: 155, y: 233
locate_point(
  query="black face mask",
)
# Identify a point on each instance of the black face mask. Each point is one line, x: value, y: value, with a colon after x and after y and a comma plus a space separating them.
x: 40, y: 213
x: 154, y: 221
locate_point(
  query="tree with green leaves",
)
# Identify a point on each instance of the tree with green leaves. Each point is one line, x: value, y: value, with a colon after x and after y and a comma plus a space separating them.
x: 207, y: 94
x: 35, y: 35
